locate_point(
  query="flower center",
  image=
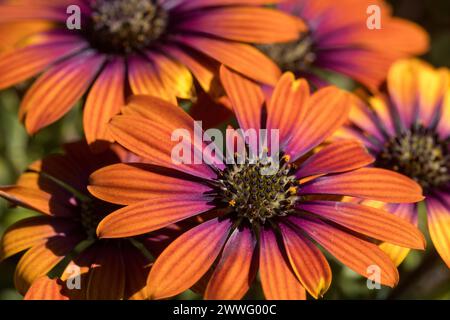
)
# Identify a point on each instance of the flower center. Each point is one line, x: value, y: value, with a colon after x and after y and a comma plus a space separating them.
x: 126, y: 25
x: 419, y: 154
x: 254, y: 194
x: 296, y: 56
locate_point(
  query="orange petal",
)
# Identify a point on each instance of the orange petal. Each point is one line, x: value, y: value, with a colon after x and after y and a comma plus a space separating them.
x: 212, y: 113
x: 45, y: 288
x: 277, y: 279
x: 417, y: 89
x: 373, y: 222
x: 246, y: 24
x: 137, y: 268
x: 202, y: 67
x: 12, y: 34
x: 108, y: 264
x: 444, y: 121
x: 358, y: 255
x: 104, y: 101
x: 287, y: 106
x: 177, y: 79
x: 80, y: 267
x: 402, y: 37
x: 189, y: 5
x: 21, y: 64
x: 40, y: 259
x: 246, y: 98
x: 13, y: 12
x: 32, y: 231
x: 39, y: 192
x: 367, y: 183
x: 151, y: 215
x: 403, y: 88
x: 130, y: 183
x: 308, y: 263
x: 433, y: 86
x: 327, y: 110
x: 147, y: 127
x: 233, y: 274
x: 405, y: 211
x: 339, y: 156
x: 439, y: 226
x: 240, y: 57
x: 384, y: 113
x: 187, y: 259
x: 38, y: 200
x: 156, y: 146
x: 57, y: 90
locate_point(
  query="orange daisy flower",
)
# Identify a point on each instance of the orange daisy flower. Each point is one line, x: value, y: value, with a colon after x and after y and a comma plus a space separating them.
x: 256, y: 221
x: 64, y: 233
x: 340, y: 41
x: 134, y: 46
x: 407, y: 129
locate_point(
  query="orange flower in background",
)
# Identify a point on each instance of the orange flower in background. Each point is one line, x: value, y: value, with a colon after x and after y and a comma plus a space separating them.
x: 339, y: 41
x: 45, y: 288
x: 407, y: 129
x: 134, y: 46
x: 64, y: 234
x: 269, y: 223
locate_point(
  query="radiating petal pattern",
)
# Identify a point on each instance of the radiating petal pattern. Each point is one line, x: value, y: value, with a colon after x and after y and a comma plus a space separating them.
x: 277, y: 278
x: 246, y: 98
x: 408, y: 212
x: 371, y: 183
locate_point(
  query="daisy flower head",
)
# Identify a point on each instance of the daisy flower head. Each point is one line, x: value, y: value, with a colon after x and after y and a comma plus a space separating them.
x: 343, y: 38
x: 122, y: 47
x: 61, y: 241
x: 406, y: 128
x: 255, y: 220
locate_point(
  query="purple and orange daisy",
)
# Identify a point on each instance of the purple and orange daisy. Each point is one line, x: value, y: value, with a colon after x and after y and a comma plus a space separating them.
x: 154, y: 47
x: 266, y: 222
x: 340, y: 41
x: 407, y: 129
x: 62, y: 242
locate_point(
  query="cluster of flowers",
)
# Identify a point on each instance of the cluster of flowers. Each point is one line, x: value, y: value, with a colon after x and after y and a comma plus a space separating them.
x: 353, y: 166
